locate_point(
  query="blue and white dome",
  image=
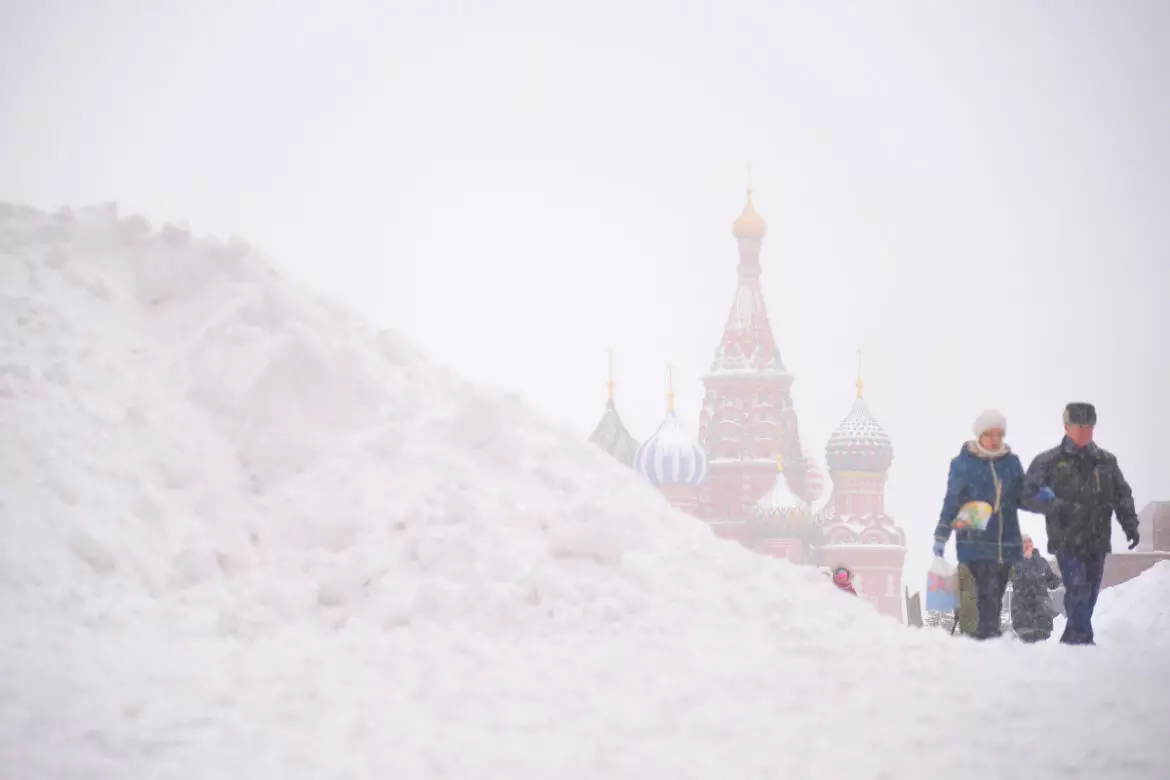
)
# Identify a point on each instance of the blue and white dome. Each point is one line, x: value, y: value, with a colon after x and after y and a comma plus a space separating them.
x: 671, y: 457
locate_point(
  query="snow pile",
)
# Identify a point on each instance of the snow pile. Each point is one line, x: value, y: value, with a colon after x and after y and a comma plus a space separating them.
x: 185, y: 426
x: 246, y: 537
x: 1134, y: 614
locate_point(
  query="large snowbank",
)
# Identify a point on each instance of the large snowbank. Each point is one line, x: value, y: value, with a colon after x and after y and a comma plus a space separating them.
x: 246, y: 537
x: 1135, y: 614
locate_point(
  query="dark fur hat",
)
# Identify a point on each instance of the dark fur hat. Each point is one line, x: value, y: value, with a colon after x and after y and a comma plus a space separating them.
x: 1079, y: 413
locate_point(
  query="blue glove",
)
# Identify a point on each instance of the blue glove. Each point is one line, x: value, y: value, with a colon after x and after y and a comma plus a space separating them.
x: 938, y: 548
x: 1045, y: 496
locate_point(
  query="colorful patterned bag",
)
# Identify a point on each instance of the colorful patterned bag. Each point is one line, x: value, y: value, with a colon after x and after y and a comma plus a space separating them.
x: 942, y: 587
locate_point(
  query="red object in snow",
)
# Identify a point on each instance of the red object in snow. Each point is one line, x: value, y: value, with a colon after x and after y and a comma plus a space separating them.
x: 843, y: 579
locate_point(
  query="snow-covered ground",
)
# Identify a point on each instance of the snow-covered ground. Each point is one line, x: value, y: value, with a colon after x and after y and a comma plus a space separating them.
x: 244, y: 536
x: 1134, y: 613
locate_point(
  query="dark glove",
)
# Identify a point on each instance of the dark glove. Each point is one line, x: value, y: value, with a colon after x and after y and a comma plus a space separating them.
x: 939, y: 547
x: 1134, y: 537
x: 1045, y: 496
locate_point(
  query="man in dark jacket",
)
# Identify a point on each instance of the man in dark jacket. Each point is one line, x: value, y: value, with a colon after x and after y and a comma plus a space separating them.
x: 1078, y: 486
x: 1032, y: 578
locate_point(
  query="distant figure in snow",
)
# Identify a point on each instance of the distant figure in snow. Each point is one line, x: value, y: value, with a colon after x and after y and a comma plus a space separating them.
x: 1032, y: 578
x: 1079, y: 486
x: 843, y: 579
x: 984, y: 488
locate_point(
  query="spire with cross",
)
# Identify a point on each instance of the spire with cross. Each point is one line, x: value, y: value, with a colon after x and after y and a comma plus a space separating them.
x: 860, y: 381
x: 609, y: 383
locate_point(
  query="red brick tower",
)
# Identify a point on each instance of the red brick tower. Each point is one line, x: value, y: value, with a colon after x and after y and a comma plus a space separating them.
x: 857, y: 531
x: 747, y: 420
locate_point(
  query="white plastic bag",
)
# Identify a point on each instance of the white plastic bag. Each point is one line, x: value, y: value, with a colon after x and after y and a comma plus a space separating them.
x: 942, y: 586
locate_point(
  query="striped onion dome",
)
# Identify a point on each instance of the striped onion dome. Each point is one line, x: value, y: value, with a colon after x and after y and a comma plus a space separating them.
x: 671, y: 457
x: 859, y: 443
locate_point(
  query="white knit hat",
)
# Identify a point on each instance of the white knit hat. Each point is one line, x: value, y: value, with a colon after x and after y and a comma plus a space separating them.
x: 989, y: 420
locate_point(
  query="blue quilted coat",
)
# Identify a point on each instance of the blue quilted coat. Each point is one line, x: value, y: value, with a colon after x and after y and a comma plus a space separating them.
x: 974, y: 477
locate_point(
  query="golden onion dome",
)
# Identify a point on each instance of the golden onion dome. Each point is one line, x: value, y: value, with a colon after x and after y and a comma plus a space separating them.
x: 749, y: 224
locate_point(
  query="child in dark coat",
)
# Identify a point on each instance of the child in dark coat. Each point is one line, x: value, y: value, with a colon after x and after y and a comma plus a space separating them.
x: 1032, y: 579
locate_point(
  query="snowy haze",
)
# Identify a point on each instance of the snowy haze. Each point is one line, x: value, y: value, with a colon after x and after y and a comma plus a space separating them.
x: 976, y: 196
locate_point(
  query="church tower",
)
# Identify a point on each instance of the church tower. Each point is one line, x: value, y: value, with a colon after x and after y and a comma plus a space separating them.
x: 857, y: 531
x: 747, y: 421
x: 781, y: 522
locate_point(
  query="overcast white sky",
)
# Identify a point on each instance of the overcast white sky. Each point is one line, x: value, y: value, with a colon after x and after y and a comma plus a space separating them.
x: 976, y: 194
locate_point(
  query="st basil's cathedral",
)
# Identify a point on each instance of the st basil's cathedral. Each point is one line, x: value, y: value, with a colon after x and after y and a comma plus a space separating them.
x: 748, y: 475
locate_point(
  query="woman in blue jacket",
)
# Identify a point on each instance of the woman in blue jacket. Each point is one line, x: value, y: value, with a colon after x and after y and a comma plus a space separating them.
x: 988, y: 536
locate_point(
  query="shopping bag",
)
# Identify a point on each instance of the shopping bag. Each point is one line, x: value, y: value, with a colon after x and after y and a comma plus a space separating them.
x: 942, y: 586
